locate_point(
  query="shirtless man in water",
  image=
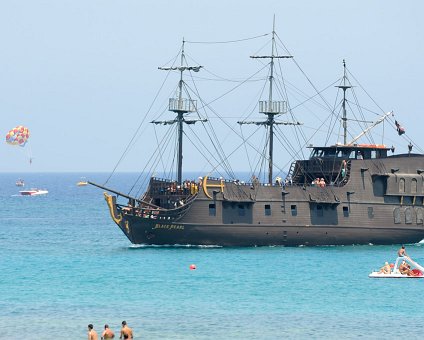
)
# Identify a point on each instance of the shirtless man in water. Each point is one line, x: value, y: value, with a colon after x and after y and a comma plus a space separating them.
x: 126, y: 332
x: 92, y: 334
x: 108, y: 333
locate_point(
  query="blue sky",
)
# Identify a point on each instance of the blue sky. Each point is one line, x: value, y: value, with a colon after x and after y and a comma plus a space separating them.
x: 81, y: 74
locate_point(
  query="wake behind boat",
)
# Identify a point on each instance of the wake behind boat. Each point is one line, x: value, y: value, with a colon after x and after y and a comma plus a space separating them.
x: 352, y: 192
x: 33, y: 192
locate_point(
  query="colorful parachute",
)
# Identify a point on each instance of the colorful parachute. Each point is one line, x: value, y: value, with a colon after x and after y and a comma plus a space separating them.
x: 18, y: 136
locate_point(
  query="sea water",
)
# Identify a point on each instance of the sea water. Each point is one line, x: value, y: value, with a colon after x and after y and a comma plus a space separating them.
x: 65, y: 264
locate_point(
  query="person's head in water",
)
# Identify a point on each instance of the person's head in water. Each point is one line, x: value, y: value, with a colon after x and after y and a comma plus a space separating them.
x: 403, y: 247
x: 90, y: 326
x: 124, y: 323
x: 106, y: 326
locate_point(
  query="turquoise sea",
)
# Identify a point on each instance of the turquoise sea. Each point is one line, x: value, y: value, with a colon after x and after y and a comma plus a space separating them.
x: 64, y: 264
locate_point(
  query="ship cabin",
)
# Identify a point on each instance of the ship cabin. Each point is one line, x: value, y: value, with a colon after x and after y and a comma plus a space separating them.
x: 333, y: 163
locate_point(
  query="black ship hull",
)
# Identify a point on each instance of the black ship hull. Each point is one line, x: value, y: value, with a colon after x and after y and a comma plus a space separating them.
x: 373, y: 204
x: 246, y: 235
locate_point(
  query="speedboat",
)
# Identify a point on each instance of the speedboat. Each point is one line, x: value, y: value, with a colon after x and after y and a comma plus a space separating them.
x: 416, y: 272
x: 33, y: 192
x: 82, y: 182
x: 20, y: 183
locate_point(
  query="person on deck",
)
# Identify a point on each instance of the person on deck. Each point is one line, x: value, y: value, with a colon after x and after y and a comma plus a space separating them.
x: 126, y: 332
x: 402, y: 252
x: 405, y: 269
x: 385, y: 269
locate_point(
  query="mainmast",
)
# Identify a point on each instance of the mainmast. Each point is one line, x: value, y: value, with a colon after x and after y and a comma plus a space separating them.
x: 270, y: 107
x: 344, y: 87
x: 180, y: 106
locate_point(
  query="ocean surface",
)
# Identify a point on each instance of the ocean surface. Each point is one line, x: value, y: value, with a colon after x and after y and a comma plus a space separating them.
x: 64, y: 264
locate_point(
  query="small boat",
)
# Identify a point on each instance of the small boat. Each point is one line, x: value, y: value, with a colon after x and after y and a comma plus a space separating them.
x: 20, y: 183
x: 82, y: 182
x: 33, y: 192
x: 417, y: 271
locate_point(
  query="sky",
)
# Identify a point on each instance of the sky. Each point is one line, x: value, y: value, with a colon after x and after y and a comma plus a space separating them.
x: 81, y: 74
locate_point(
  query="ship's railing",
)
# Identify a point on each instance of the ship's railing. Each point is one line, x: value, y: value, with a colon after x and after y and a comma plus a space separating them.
x: 182, y: 105
x: 276, y: 107
x: 158, y: 214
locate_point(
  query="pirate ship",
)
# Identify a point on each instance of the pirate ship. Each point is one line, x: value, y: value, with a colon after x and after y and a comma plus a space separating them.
x: 343, y: 193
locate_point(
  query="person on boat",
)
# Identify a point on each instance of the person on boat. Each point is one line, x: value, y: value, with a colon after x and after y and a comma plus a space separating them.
x: 385, y: 269
x: 107, y: 333
x: 405, y: 269
x: 126, y: 332
x: 402, y: 252
x: 92, y: 334
x: 278, y: 181
x: 322, y: 183
x: 344, y: 168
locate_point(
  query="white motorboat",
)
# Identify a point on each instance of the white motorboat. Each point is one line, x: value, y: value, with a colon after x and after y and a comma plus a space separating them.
x: 33, y: 192
x: 416, y: 271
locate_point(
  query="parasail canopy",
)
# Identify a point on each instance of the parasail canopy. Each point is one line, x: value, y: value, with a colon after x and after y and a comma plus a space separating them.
x: 18, y: 136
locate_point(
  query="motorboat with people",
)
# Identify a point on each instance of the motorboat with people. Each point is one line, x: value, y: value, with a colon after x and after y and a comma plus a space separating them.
x: 33, y: 192
x: 403, y: 268
x: 20, y: 183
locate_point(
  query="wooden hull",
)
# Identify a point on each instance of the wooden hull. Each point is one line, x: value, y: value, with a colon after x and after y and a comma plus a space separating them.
x: 371, y: 207
x: 158, y: 233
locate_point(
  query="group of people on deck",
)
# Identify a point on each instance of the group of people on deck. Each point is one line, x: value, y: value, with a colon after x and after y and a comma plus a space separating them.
x: 126, y: 332
x: 404, y: 267
x: 318, y: 182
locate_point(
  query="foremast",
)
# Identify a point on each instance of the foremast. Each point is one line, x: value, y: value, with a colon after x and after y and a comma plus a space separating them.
x: 270, y: 107
x: 181, y: 106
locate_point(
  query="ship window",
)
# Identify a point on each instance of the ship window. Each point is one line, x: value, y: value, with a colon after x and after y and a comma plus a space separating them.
x: 241, y: 210
x: 414, y: 186
x: 396, y: 215
x: 293, y: 209
x: 373, y: 153
x: 346, y: 211
x: 370, y: 212
x: 402, y: 185
x: 267, y: 210
x: 212, y: 210
x: 408, y: 215
x: 420, y: 216
x: 320, y: 210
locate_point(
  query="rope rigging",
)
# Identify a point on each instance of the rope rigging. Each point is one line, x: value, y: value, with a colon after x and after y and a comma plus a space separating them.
x: 165, y: 156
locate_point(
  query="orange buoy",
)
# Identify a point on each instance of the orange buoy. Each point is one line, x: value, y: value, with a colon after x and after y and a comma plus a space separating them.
x: 192, y: 267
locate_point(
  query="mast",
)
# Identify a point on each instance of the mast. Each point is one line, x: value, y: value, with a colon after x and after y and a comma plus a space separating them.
x: 344, y: 87
x: 180, y: 106
x: 270, y: 107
